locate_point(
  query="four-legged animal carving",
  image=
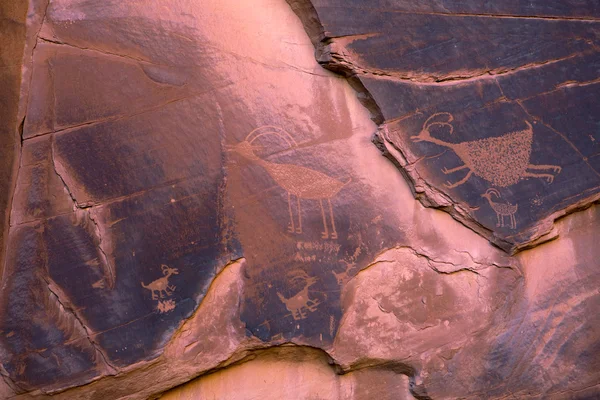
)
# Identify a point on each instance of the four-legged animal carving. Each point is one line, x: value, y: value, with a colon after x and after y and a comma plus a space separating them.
x: 300, y: 302
x: 161, y: 285
x: 502, y: 160
x: 343, y: 277
x: 302, y: 182
x: 502, y: 209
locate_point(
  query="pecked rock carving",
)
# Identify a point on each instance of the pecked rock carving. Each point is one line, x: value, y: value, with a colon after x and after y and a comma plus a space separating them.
x: 300, y: 303
x: 502, y: 209
x: 128, y: 106
x: 516, y: 119
x: 502, y: 160
x: 161, y: 285
x: 302, y: 182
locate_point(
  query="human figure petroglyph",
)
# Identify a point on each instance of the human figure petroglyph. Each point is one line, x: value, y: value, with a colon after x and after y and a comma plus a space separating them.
x: 161, y: 285
x: 302, y: 182
x: 502, y: 160
x: 502, y: 209
x: 300, y: 303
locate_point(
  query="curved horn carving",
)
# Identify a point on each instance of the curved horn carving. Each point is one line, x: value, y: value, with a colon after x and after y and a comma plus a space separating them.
x: 449, y: 116
x: 271, y: 130
x: 493, y: 191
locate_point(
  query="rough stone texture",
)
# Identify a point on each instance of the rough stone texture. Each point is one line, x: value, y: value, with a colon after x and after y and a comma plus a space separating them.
x: 12, y: 25
x: 295, y: 373
x: 13, y: 38
x: 488, y: 108
x: 196, y: 197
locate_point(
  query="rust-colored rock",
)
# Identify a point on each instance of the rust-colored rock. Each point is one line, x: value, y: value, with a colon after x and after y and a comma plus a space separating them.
x: 488, y: 113
x: 195, y: 207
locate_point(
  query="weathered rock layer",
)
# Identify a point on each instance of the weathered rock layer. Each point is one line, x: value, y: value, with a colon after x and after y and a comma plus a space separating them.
x: 189, y: 193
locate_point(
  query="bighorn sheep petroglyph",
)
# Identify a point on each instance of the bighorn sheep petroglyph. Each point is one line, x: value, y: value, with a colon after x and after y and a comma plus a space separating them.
x: 161, y: 285
x: 502, y: 209
x: 302, y: 182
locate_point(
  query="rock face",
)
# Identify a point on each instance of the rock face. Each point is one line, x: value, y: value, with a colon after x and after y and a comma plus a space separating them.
x: 197, y: 189
x: 488, y: 109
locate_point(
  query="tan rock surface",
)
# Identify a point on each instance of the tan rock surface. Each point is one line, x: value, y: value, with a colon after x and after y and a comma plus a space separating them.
x: 294, y: 373
x: 197, y: 200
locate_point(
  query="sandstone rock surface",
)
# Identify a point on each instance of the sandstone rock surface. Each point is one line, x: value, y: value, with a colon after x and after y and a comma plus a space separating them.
x: 197, y: 204
x: 487, y: 108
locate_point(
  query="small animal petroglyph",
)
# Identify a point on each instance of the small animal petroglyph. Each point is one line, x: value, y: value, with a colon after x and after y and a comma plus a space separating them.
x: 343, y: 277
x: 300, y: 303
x: 302, y: 182
x: 161, y: 285
x: 502, y: 209
x: 502, y: 160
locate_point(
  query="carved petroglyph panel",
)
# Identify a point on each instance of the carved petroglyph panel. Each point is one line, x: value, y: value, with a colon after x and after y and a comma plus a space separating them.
x: 502, y: 161
x: 507, y: 106
x: 281, y: 305
x: 351, y: 268
x: 505, y: 172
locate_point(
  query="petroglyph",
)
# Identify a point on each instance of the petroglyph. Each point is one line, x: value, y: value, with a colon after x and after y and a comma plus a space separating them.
x: 331, y: 325
x: 302, y: 182
x: 345, y: 276
x: 305, y: 259
x: 502, y: 209
x: 327, y: 247
x: 300, y: 304
x: 99, y: 284
x: 161, y: 285
x: 165, y: 306
x: 502, y: 160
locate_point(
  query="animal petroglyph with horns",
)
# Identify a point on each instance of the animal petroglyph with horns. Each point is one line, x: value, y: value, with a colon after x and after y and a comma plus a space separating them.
x: 502, y: 160
x: 161, y: 285
x: 302, y: 182
x: 502, y: 209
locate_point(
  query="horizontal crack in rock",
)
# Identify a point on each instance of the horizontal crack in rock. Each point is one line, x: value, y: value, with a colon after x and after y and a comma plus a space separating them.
x: 60, y: 43
x: 334, y: 56
x: 482, y: 15
x: 431, y: 262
